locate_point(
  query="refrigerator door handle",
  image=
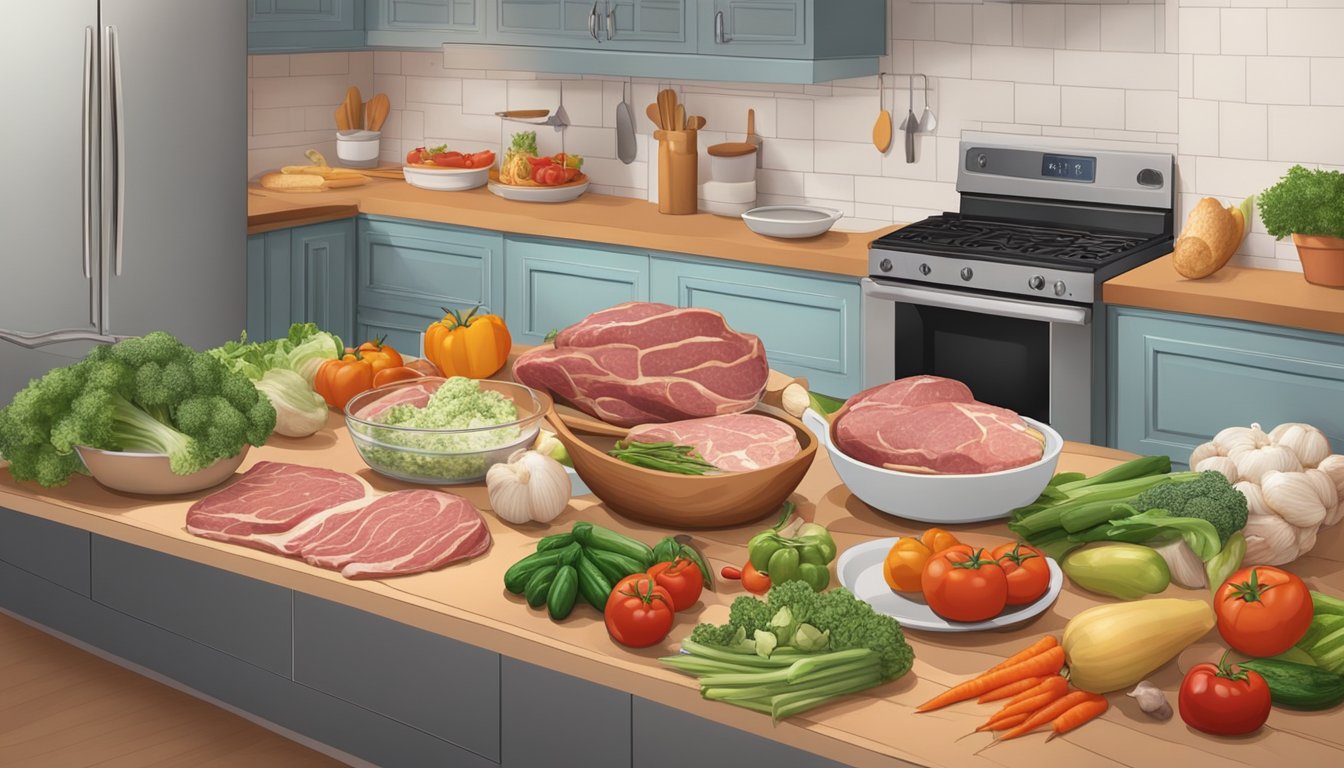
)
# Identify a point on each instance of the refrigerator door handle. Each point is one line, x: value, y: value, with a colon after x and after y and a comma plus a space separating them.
x: 86, y: 161
x: 119, y: 158
x: 36, y: 340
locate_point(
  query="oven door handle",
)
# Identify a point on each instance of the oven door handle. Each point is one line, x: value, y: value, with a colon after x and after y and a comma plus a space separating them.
x: 970, y: 302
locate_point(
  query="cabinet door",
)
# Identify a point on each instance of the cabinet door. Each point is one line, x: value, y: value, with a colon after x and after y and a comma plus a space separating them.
x: 270, y: 285
x: 304, y: 25
x: 558, y: 23
x: 422, y: 269
x: 648, y: 25
x: 56, y: 552
x: 552, y: 719
x: 706, y: 742
x: 551, y: 285
x: 764, y: 28
x: 1176, y: 380
x: 405, y: 333
x: 641, y: 25
x: 811, y: 326
x: 424, y: 23
x: 322, y: 263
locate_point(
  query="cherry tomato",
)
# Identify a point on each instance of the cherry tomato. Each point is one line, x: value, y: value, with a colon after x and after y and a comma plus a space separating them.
x: 1215, y: 699
x: 415, y: 156
x: 904, y: 564
x: 1262, y: 610
x: 484, y: 159
x: 1027, y: 570
x: 540, y: 162
x: 639, y: 612
x: 682, y: 580
x: 450, y: 159
x: 397, y: 373
x: 570, y: 175
x: 937, y: 539
x: 754, y: 581
x: 548, y: 175
x: 964, y: 584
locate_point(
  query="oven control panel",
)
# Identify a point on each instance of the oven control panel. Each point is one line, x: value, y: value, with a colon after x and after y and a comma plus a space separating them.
x: 982, y: 275
x: 1105, y: 177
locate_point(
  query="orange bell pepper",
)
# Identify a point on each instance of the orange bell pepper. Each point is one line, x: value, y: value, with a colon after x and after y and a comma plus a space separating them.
x: 380, y: 355
x: 937, y: 539
x: 471, y: 345
x: 905, y: 563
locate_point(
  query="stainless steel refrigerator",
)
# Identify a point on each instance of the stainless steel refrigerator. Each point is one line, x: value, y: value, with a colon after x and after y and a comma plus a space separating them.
x: 125, y: 142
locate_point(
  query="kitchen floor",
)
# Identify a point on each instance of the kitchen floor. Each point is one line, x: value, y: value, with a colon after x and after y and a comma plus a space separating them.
x: 62, y: 707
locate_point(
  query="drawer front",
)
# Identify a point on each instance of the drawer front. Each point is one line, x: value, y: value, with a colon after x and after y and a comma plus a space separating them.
x: 705, y: 742
x: 1176, y: 380
x: 552, y: 719
x: 552, y: 285
x: 57, y: 553
x: 404, y: 332
x: 243, y: 617
x: 810, y: 326
x: 423, y: 269
x: 445, y: 688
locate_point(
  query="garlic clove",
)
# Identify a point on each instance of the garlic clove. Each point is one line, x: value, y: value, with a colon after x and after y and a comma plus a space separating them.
x: 794, y: 399
x: 1220, y: 464
x: 1204, y: 451
x: 1305, y: 441
x: 1333, y: 466
x: 1324, y: 487
x: 1292, y: 496
x: 1253, y: 463
x: 1255, y: 500
x: 1269, y: 541
x: 1233, y: 437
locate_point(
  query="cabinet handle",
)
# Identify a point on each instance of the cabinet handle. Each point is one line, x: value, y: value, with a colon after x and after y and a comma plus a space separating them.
x: 720, y: 34
x: 592, y: 22
x: 611, y: 23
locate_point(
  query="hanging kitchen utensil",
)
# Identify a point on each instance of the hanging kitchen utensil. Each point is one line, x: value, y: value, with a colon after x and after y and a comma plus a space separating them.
x: 882, y: 128
x: 927, y: 121
x: 625, y: 130
x: 910, y: 124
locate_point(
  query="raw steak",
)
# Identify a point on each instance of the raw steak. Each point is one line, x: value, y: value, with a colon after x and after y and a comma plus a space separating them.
x: 736, y: 442
x: 401, y: 532
x: 642, y: 362
x: 271, y: 497
x: 415, y: 394
x: 922, y: 424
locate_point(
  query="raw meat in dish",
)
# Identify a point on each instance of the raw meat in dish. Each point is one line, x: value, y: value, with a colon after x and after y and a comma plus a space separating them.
x: 737, y: 442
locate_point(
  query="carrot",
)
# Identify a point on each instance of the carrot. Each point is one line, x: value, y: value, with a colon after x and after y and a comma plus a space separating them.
x: 1038, y: 647
x: 1051, y: 683
x: 1032, y: 704
x: 1079, y: 714
x: 1011, y: 689
x: 1004, y: 724
x: 1049, y: 712
x: 1047, y: 663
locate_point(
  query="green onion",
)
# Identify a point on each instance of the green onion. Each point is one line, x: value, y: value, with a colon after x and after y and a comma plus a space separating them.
x: 664, y: 457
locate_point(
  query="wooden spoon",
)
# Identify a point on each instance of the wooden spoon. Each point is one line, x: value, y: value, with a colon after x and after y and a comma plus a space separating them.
x: 882, y: 128
x: 695, y: 122
x: 353, y: 102
x: 654, y: 116
x: 679, y: 118
x: 667, y: 107
x: 342, y: 118
x: 379, y: 106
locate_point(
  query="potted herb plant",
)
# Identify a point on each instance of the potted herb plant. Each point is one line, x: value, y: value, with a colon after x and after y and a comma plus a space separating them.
x: 1309, y: 205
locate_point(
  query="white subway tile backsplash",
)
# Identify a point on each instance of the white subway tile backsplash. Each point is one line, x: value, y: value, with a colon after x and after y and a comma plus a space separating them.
x: 1306, y: 31
x: 938, y: 59
x: 433, y: 90
x: 1021, y: 65
x: 393, y: 86
x: 268, y: 92
x: 833, y: 186
x: 849, y: 118
x: 1150, y: 111
x: 1036, y: 104
x: 1222, y: 78
x: 273, y: 65
x: 1107, y: 69
x: 1306, y: 134
x: 484, y: 97
x: 1327, y: 81
x: 1082, y: 27
x: 1128, y: 28
x: 912, y: 21
x: 925, y: 167
x: 1092, y: 107
x: 1199, y: 127
x: 961, y: 103
x: 993, y: 23
x: 850, y: 157
x: 1227, y: 177
x: 1279, y: 79
x: 903, y: 192
x: 591, y: 142
x: 1243, y: 130
x: 787, y: 155
x: 796, y: 118
x: 952, y: 23
x: 1199, y: 30
x: 1043, y: 26
x: 1243, y: 31
x: 319, y: 63
x: 387, y: 63
x: 779, y: 182
x: 1185, y: 76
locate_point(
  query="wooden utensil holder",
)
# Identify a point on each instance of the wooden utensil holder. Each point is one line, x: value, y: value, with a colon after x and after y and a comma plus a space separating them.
x: 678, y: 163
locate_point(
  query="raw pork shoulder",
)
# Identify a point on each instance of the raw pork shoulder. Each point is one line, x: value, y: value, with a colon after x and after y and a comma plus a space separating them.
x: 930, y: 424
x: 643, y: 362
x: 736, y: 442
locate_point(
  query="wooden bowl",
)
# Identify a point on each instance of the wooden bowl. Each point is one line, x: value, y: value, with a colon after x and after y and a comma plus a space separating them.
x: 686, y: 501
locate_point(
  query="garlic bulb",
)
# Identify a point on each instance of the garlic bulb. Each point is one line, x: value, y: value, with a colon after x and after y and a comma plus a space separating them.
x: 1270, y: 540
x: 1221, y: 464
x: 1183, y: 564
x: 1238, y: 437
x: 1204, y: 451
x: 530, y: 486
x: 1255, y: 500
x: 1306, y: 538
x: 1333, y: 517
x: 1253, y: 463
x: 1304, y: 440
x: 1293, y: 497
x: 1324, y: 487
x: 794, y: 399
x: 1333, y: 466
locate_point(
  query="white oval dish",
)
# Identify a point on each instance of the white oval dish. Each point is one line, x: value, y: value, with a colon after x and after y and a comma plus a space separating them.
x: 149, y: 473
x: 942, y: 498
x: 860, y: 571
x: 445, y: 179
x: 522, y: 194
x: 791, y: 221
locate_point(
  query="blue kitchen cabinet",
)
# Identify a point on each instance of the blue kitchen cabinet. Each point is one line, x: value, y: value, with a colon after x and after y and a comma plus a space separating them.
x: 301, y: 275
x: 665, y: 26
x: 411, y: 272
x: 424, y: 23
x: 793, y: 29
x: 1176, y: 379
x: 551, y: 284
x: 810, y: 323
x: 282, y: 26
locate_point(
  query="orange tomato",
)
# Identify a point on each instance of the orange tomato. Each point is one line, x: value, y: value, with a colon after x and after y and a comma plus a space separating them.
x: 962, y: 584
x: 379, y: 355
x: 339, y: 380
x: 905, y: 563
x: 754, y: 581
x: 389, y: 375
x: 473, y: 345
x: 937, y: 539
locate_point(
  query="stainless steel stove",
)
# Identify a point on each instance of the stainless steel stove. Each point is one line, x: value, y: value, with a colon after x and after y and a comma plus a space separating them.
x: 1006, y: 294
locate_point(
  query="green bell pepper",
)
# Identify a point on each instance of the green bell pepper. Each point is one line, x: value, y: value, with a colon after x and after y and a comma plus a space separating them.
x: 783, y: 565
x: 793, y: 550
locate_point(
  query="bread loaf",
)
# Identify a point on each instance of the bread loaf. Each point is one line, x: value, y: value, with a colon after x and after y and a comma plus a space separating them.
x: 294, y: 182
x: 1211, y: 235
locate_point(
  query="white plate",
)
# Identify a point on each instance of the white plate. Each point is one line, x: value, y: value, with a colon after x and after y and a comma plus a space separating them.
x: 860, y: 571
x: 791, y: 220
x: 445, y: 179
x: 538, y: 194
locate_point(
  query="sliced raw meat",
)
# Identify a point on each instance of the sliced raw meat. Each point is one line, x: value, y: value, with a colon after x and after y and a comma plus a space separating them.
x: 737, y: 442
x: 414, y: 394
x: 271, y: 497
x: 643, y: 362
x: 399, y: 533
x: 949, y: 435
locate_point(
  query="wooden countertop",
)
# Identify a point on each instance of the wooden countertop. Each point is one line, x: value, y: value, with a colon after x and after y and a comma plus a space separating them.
x: 1237, y: 293
x: 593, y: 217
x: 878, y: 728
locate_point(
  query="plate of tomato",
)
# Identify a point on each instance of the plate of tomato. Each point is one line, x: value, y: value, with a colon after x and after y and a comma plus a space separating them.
x: 962, y: 588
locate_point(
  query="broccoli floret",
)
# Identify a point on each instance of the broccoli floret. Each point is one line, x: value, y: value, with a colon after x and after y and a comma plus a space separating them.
x: 853, y: 623
x: 1208, y: 497
x: 717, y: 634
x: 104, y: 419
x: 749, y: 614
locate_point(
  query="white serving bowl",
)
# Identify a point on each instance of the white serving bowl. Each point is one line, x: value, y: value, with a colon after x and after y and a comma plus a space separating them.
x: 150, y: 474
x: 942, y: 498
x: 791, y: 221
x: 445, y: 179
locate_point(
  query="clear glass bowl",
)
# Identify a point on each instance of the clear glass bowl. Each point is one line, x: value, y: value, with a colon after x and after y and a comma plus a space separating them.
x: 439, y: 456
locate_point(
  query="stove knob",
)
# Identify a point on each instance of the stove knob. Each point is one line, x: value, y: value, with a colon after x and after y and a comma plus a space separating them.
x: 885, y: 265
x: 924, y: 269
x: 966, y: 273
x: 1036, y: 282
x: 1060, y: 288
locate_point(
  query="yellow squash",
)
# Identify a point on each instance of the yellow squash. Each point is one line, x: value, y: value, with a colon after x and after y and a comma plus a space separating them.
x: 1114, y: 646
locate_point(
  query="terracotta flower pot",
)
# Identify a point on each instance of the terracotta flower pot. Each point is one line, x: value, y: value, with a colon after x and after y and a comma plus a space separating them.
x: 1322, y: 259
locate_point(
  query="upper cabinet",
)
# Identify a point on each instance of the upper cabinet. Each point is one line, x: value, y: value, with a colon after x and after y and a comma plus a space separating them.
x: 424, y: 23
x: 618, y: 25
x: 822, y: 30
x: 278, y: 26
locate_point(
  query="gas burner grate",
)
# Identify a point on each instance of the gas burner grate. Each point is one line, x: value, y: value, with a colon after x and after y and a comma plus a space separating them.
x: 952, y: 233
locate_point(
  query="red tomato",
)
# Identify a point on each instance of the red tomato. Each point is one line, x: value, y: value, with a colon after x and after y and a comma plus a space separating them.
x: 962, y: 584
x: 1027, y: 571
x: 484, y: 158
x: 754, y: 581
x: 639, y: 612
x: 415, y: 156
x: 570, y: 175
x: 682, y: 580
x: 398, y: 373
x: 540, y: 162
x: 1214, y: 699
x: 450, y: 159
x: 1262, y: 610
x: 550, y: 175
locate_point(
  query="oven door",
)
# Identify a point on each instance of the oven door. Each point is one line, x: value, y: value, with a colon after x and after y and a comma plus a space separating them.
x: 1032, y: 357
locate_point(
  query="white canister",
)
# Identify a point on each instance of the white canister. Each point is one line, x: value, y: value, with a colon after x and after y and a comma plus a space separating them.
x: 733, y: 162
x: 358, y: 148
x: 729, y: 192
